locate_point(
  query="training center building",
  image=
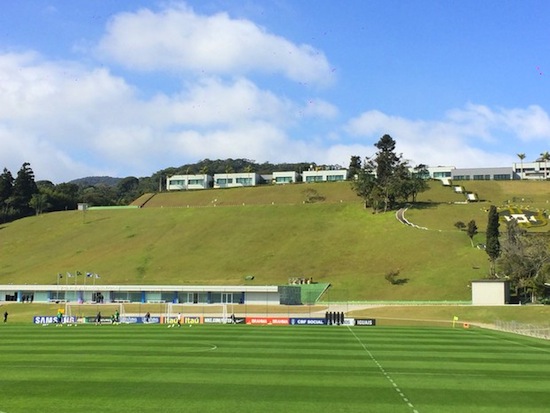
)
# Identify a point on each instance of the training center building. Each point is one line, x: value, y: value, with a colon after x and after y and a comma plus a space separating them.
x: 182, y: 294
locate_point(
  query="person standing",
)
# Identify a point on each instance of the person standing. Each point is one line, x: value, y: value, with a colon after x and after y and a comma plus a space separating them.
x: 5, y: 317
x: 98, y: 318
x: 59, y: 317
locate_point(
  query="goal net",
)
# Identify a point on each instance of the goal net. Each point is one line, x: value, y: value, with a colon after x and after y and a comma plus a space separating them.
x: 89, y: 313
x: 191, y: 311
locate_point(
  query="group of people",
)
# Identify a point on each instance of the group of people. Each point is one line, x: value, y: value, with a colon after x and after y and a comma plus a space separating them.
x: 27, y: 298
x: 115, y: 318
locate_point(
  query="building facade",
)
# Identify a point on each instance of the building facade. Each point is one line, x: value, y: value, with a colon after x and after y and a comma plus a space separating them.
x: 186, y: 182
x: 235, y: 180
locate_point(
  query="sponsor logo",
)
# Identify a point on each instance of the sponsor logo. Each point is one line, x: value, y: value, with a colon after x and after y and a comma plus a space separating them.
x: 215, y: 320
x: 365, y: 322
x: 267, y: 320
x: 308, y: 321
x: 223, y: 320
x: 46, y: 319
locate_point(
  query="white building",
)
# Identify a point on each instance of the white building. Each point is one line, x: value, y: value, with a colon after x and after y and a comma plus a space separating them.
x: 490, y: 292
x: 187, y: 294
x: 537, y: 170
x: 289, y: 177
x: 484, y: 174
x: 234, y: 180
x: 325, y: 175
x: 185, y: 182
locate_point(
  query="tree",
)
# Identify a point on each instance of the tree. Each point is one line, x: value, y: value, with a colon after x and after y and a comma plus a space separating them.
x: 127, y: 190
x: 471, y: 230
x: 525, y: 260
x: 492, y: 245
x: 384, y: 179
x: 6, y: 192
x: 24, y: 187
x: 39, y: 202
x: 354, y: 167
x: 417, y: 182
x: 460, y: 225
x: 521, y: 157
x: 545, y: 157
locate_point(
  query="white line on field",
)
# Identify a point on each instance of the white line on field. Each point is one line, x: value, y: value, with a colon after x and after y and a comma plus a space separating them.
x: 386, y: 375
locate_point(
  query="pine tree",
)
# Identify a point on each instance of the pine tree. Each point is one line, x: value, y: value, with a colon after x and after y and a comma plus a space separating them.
x: 6, y: 192
x: 492, y: 246
x: 24, y: 187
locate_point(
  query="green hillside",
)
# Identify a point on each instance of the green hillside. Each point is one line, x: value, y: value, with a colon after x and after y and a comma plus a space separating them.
x: 273, y: 233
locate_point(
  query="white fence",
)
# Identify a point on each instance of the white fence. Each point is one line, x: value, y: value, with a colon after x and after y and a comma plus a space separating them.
x: 524, y: 329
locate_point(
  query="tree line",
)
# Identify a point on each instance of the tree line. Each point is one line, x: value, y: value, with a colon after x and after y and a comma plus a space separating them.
x: 22, y: 195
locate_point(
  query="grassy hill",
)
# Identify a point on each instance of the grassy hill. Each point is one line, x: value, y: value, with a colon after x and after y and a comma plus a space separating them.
x: 271, y: 232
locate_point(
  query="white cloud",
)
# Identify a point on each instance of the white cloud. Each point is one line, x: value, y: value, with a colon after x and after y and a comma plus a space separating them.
x: 475, y: 136
x: 69, y: 121
x: 176, y: 38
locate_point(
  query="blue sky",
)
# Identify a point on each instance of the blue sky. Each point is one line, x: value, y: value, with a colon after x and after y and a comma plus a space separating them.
x: 127, y: 88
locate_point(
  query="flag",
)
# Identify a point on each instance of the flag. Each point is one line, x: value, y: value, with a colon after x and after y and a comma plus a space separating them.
x: 97, y: 276
x: 455, y: 319
x: 69, y: 274
x: 89, y: 274
x: 59, y: 276
x: 78, y: 273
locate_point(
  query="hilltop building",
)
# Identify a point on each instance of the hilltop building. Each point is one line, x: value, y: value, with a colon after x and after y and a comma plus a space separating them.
x: 538, y: 170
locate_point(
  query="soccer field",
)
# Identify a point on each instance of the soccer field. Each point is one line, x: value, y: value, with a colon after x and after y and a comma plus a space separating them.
x: 239, y: 368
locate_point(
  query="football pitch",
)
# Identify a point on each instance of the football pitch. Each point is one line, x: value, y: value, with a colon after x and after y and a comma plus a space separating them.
x: 239, y: 368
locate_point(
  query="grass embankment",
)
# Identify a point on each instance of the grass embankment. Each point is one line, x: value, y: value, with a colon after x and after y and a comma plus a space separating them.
x: 222, y: 236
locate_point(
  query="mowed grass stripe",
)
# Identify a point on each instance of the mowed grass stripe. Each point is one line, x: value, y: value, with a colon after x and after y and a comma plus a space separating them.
x: 273, y: 369
x: 467, y: 374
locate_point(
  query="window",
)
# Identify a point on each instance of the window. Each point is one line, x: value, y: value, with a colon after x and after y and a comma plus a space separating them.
x: 334, y: 178
x: 442, y: 174
x: 315, y: 178
x: 177, y: 182
x: 283, y: 179
x: 502, y: 177
x: 482, y: 177
x: 461, y: 177
x: 224, y: 181
x: 244, y: 181
x: 196, y: 182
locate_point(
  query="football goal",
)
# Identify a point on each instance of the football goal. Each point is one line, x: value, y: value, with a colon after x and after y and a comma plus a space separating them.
x: 88, y: 313
x: 190, y: 310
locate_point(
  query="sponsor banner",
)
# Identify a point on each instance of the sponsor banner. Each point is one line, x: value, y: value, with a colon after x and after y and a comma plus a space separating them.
x: 365, y: 322
x: 349, y: 322
x: 223, y: 320
x: 192, y: 320
x: 140, y: 320
x: 267, y: 320
x: 216, y: 320
x: 185, y: 320
x: 47, y: 319
x: 308, y: 321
